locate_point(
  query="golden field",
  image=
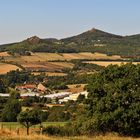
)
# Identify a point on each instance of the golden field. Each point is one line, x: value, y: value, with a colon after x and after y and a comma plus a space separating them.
x: 12, y: 135
x: 4, y: 68
x: 88, y: 55
x: 51, y: 62
x: 75, y: 88
x: 67, y: 56
x: 47, y: 66
x: 44, y: 57
x: 106, y: 63
x: 51, y: 73
x: 4, y: 54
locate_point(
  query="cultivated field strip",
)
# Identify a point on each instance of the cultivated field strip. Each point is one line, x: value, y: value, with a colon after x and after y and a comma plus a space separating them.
x: 4, y: 68
x: 106, y: 63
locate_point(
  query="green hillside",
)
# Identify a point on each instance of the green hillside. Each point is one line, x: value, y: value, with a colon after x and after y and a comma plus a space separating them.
x: 91, y: 41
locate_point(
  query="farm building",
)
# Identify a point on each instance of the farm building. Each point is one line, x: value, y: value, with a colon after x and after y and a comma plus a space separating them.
x: 60, y: 95
x: 74, y: 96
x: 41, y: 88
x: 29, y: 94
x: 28, y: 87
x: 6, y: 95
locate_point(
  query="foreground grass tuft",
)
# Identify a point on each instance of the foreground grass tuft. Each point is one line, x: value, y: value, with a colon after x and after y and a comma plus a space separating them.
x: 6, y: 134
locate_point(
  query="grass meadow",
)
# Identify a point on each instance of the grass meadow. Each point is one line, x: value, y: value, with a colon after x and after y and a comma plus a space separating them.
x: 15, y: 125
x: 8, y: 131
x: 5, y: 134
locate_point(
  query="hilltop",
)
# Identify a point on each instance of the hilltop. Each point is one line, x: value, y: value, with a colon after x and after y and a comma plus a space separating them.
x: 93, y: 40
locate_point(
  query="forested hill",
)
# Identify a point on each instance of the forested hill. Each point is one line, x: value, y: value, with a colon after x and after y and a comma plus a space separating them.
x: 93, y: 40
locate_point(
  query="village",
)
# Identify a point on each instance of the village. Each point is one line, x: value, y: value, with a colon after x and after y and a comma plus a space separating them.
x: 39, y: 90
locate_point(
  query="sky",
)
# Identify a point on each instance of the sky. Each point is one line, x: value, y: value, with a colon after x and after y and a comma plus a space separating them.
x: 20, y: 19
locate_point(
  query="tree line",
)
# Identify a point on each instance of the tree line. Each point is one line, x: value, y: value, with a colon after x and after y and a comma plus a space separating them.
x: 112, y: 105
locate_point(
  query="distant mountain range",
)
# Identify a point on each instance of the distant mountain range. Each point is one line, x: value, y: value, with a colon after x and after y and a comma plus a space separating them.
x: 93, y: 40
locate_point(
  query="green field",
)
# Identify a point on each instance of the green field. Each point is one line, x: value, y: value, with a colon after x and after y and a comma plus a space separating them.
x: 8, y: 132
x: 15, y: 125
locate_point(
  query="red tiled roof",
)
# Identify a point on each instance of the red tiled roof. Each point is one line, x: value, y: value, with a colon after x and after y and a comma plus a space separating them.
x: 27, y: 86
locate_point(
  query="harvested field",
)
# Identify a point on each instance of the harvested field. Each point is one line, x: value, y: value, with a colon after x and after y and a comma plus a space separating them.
x: 75, y: 88
x: 40, y: 57
x: 44, y: 57
x: 55, y: 74
x: 49, y: 56
x: 106, y: 63
x: 4, y: 68
x: 47, y: 66
x: 63, y: 64
x: 51, y: 73
x: 42, y: 61
x: 4, y: 54
x: 87, y: 55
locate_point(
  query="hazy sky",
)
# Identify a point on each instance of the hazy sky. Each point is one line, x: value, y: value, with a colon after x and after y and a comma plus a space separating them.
x: 20, y: 19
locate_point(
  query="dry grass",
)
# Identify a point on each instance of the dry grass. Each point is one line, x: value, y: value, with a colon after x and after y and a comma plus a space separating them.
x: 12, y: 135
x: 51, y: 73
x: 55, y: 74
x: 75, y: 88
x: 50, y: 56
x: 4, y: 68
x: 4, y: 54
x: 43, y: 57
x: 106, y: 63
x: 38, y: 57
x: 88, y: 55
x: 41, y: 61
x: 62, y: 64
x: 48, y: 66
x: 69, y: 56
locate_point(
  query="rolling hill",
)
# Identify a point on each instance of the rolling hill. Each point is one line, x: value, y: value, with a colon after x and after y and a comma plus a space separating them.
x: 93, y: 40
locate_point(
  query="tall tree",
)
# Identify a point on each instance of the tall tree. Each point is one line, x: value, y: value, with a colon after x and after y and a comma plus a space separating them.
x: 29, y: 118
x: 11, y: 110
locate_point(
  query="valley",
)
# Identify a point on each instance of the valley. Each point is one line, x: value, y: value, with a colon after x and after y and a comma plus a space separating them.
x: 85, y: 82
x: 50, y: 62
